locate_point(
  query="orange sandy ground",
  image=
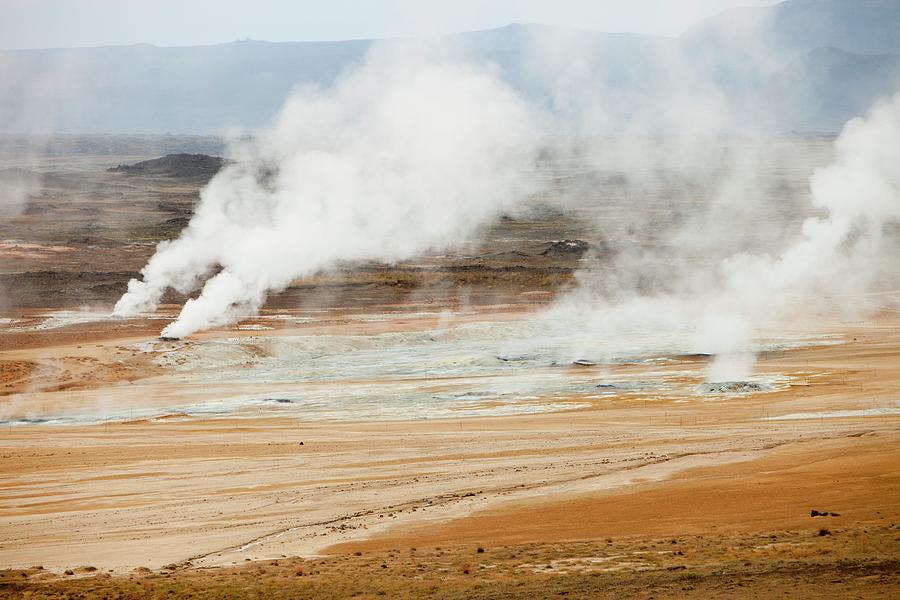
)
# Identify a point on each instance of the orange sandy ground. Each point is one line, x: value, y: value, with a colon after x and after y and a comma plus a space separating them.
x: 193, y: 493
x: 857, y: 478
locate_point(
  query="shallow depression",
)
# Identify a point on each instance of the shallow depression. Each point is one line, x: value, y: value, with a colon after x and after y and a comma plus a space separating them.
x: 460, y: 369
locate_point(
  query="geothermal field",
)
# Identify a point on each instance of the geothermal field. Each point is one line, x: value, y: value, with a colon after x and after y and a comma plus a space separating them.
x: 410, y: 414
x: 433, y: 331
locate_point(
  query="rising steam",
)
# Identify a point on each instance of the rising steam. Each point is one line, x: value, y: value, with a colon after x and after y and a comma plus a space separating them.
x: 399, y: 157
x: 392, y: 160
x: 839, y: 254
x: 836, y: 256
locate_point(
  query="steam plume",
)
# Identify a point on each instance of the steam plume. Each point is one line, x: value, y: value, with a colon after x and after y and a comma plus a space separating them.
x: 836, y: 255
x: 393, y: 159
x: 839, y: 253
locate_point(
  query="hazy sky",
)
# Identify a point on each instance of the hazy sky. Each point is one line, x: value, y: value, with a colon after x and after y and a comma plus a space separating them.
x: 63, y: 23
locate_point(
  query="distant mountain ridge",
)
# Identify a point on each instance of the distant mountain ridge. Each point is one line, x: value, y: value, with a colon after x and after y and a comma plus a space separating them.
x: 832, y: 58
x: 854, y: 26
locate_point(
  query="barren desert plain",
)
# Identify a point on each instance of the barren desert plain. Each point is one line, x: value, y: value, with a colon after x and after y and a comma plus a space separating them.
x: 383, y: 430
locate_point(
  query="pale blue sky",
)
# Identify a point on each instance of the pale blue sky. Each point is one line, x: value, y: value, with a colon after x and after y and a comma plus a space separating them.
x: 65, y: 23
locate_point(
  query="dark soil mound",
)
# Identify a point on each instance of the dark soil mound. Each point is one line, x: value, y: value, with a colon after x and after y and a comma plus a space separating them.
x: 575, y: 248
x: 175, y: 165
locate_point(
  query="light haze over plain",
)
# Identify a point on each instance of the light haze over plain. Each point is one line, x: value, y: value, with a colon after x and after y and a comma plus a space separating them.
x: 77, y: 23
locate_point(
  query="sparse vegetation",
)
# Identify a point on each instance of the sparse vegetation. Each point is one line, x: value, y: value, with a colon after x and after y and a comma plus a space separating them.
x: 720, y: 567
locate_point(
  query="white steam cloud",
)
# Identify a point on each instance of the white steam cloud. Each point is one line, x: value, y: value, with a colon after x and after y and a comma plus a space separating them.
x: 396, y: 158
x: 401, y: 156
x: 837, y: 255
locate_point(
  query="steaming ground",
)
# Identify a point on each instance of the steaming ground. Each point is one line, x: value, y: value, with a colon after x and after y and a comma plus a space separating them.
x: 438, y: 407
x: 417, y: 339
x: 388, y: 367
